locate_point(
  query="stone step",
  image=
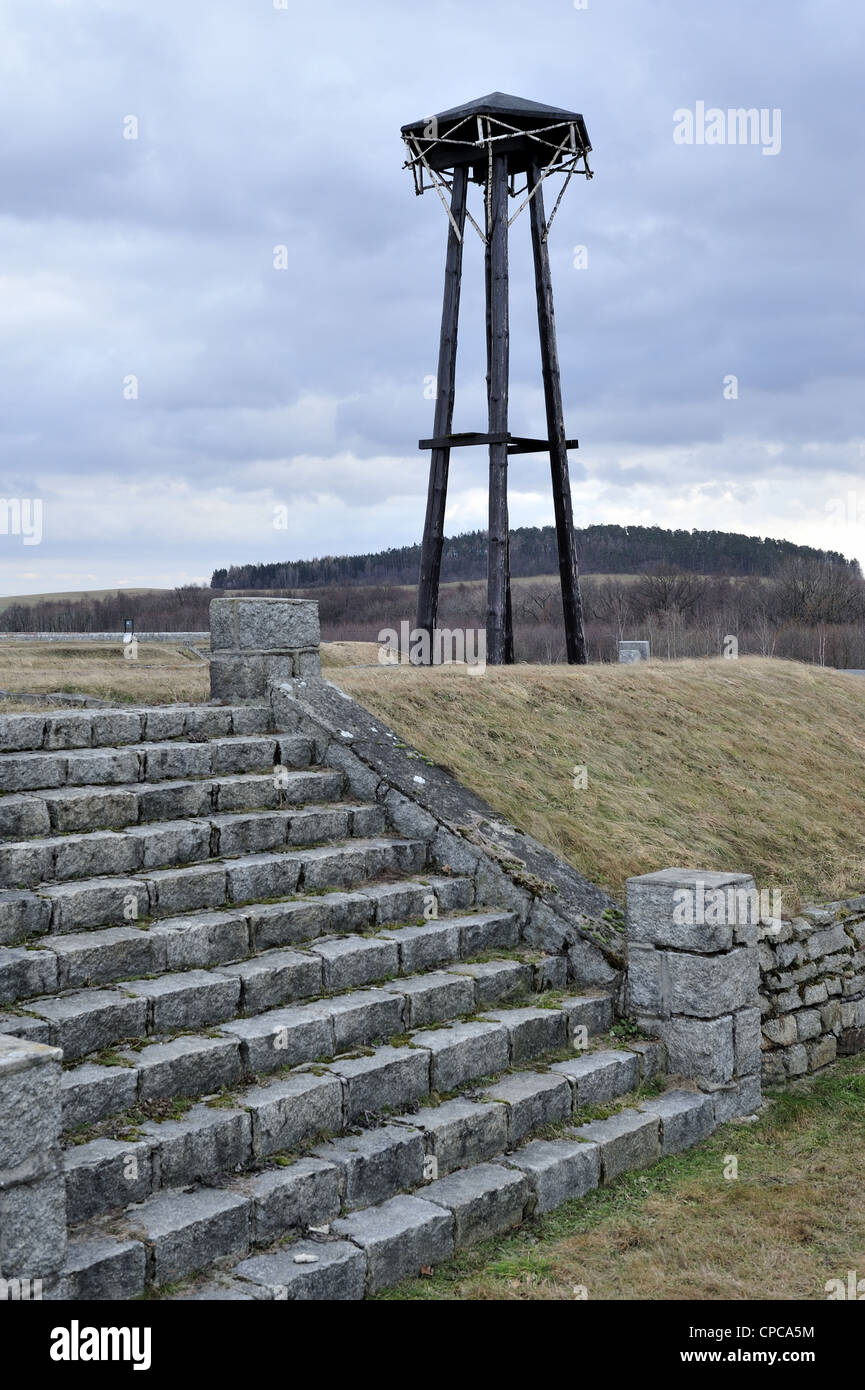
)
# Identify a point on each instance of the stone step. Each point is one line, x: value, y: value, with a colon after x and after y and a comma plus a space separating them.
x: 117, y: 900
x: 253, y: 937
x: 163, y: 844
x: 52, y: 729
x: 373, y: 1078
x: 365, y: 1210
x: 67, y: 810
x: 244, y: 996
x: 105, y: 1173
x: 152, y: 762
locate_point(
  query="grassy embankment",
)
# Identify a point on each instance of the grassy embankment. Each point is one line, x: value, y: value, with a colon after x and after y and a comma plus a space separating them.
x: 753, y: 765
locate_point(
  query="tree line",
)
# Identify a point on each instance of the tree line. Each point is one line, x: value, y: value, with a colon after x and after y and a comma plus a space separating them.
x: 602, y: 550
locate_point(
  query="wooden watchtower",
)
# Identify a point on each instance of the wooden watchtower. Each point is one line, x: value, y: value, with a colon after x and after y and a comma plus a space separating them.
x: 495, y: 142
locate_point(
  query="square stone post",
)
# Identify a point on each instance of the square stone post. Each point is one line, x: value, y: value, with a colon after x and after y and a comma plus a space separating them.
x: 32, y: 1186
x: 256, y: 641
x: 694, y: 976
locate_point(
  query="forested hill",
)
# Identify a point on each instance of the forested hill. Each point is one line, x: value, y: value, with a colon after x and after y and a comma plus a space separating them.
x: 602, y: 550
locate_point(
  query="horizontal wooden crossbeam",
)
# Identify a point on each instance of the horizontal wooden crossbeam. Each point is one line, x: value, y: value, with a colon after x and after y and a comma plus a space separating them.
x: 517, y: 443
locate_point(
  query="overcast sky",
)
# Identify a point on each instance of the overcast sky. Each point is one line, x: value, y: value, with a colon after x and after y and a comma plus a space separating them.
x: 303, y: 388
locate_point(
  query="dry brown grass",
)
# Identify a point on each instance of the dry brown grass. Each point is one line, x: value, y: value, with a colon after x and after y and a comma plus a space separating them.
x: 754, y: 765
x: 791, y: 1220
x: 161, y: 674
x: 349, y: 654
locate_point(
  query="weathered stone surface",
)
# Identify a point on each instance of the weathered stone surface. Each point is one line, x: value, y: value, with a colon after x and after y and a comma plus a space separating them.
x: 740, y: 1097
x: 21, y: 731
x: 161, y: 801
x: 102, y: 1270
x: 362, y: 1016
x: 400, y: 902
x: 187, y: 1066
x: 653, y: 1058
x: 558, y: 1170
x: 337, y: 1274
x: 202, y: 938
x: 32, y: 1228
x: 206, y: 1141
x: 488, y: 931
x: 91, y: 1019
x: 22, y: 1026
x: 532, y: 1032
x: 263, y: 624
x: 102, y: 957
x: 25, y: 973
x: 423, y: 948
x: 30, y: 1113
x: 485, y: 1201
x: 460, y: 1132
x: 375, y: 1164
x: 22, y: 914
x: 102, y: 852
x: 287, y: 1112
x: 747, y: 1035
x: 808, y: 1024
x: 283, y: 1037
x: 781, y: 1031
x: 107, y: 1175
x: 90, y: 1092
x: 21, y: 816
x: 594, y: 1012
x: 389, y: 1080
x: 282, y: 924
x: 678, y: 908
x: 666, y: 983
x: 701, y: 1049
x: 822, y: 1051
x: 158, y: 845
x: 399, y: 1238
x: 275, y: 978
x: 290, y: 1199
x: 189, y: 999
x: 686, y: 1118
x: 531, y: 1099
x: 464, y: 1052
x: 433, y: 997
x: 110, y: 727
x: 186, y: 1231
x: 597, y: 1077
x: 349, y: 963
x: 188, y: 889
x: 626, y: 1141
x: 496, y: 981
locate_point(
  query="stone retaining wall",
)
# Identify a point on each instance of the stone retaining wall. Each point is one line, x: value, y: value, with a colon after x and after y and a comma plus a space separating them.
x: 812, y: 991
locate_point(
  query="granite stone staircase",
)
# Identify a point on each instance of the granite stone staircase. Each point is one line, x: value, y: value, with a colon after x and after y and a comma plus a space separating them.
x: 300, y: 1061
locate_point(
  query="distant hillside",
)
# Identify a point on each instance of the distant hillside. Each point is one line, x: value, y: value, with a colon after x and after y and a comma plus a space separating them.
x: 602, y: 550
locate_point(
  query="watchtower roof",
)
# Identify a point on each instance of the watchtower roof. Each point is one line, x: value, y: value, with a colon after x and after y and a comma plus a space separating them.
x: 521, y: 130
x: 519, y: 111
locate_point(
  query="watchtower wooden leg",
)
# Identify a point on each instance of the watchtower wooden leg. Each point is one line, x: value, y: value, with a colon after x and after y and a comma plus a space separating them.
x: 575, y: 639
x: 433, y: 535
x: 498, y: 345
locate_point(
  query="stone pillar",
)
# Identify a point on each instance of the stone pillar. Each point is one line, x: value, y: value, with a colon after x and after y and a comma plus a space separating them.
x: 256, y: 641
x: 32, y: 1186
x: 694, y: 976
